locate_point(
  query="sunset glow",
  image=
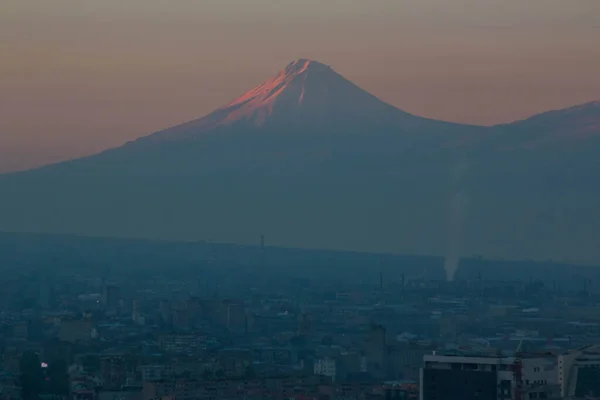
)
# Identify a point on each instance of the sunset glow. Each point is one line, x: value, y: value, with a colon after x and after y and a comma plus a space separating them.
x: 79, y: 77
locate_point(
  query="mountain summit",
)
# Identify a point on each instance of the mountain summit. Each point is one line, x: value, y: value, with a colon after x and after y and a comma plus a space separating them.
x: 302, y: 85
x: 287, y: 91
x: 305, y: 95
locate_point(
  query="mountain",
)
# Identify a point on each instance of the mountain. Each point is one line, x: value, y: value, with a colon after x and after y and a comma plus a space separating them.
x: 306, y: 98
x: 311, y: 160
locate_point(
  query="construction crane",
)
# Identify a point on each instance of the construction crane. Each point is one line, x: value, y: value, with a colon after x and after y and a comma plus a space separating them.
x: 517, y: 369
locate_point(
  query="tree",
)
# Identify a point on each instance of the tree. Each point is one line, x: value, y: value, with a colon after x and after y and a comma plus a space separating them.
x: 298, y: 341
x: 32, y: 376
x: 207, y: 374
x: 219, y: 373
x: 327, y: 340
x: 249, y: 373
x: 57, y: 378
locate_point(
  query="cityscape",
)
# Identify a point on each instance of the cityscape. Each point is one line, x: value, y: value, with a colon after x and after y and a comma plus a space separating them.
x: 135, y: 320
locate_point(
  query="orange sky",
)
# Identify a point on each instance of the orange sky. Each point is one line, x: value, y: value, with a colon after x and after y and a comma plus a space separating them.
x: 78, y: 76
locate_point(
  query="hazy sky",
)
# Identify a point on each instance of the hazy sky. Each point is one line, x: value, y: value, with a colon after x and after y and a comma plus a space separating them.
x: 78, y: 76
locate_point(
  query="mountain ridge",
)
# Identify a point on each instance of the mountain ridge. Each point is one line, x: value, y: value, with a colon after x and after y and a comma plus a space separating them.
x: 341, y: 171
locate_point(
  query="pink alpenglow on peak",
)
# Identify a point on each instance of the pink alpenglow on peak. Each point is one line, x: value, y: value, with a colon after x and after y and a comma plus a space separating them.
x: 304, y: 93
x: 260, y: 101
x: 286, y: 91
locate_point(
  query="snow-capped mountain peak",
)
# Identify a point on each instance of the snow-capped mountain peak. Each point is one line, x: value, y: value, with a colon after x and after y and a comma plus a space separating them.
x: 288, y: 87
x: 305, y: 94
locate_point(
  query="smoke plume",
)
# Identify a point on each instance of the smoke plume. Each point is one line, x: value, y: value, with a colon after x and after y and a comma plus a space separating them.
x: 457, y: 208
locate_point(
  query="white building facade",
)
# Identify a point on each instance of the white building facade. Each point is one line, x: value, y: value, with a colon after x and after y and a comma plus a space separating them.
x: 490, y: 376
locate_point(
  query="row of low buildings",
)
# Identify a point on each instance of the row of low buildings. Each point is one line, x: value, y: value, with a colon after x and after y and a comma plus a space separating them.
x: 466, y: 375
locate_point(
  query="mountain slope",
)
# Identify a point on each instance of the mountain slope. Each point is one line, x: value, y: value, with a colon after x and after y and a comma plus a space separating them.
x: 305, y: 97
x: 311, y: 160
